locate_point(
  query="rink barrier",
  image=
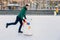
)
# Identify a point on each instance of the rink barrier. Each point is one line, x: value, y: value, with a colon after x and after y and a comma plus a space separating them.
x: 29, y: 12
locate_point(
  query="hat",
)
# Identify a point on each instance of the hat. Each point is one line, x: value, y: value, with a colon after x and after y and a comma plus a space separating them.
x: 27, y: 4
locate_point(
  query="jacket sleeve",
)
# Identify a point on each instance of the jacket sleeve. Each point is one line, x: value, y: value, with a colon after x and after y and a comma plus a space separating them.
x: 25, y: 16
x: 25, y: 12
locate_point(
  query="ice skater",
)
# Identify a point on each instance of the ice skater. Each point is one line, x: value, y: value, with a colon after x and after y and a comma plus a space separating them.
x: 57, y: 10
x: 19, y: 18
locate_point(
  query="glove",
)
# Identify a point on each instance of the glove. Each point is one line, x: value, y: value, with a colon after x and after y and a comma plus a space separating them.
x: 24, y: 20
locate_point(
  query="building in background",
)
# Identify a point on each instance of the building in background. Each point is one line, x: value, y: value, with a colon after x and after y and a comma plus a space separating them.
x: 34, y: 4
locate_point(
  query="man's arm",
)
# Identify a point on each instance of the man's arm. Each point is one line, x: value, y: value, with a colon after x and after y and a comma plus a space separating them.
x: 25, y: 16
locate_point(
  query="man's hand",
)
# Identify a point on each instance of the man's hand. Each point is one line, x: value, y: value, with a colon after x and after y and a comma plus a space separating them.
x: 24, y: 20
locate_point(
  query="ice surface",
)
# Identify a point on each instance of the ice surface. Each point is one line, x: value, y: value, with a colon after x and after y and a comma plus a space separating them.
x: 43, y: 28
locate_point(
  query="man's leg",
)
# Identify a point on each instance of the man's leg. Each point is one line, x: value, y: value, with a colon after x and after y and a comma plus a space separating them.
x: 57, y: 13
x: 14, y: 23
x: 19, y: 30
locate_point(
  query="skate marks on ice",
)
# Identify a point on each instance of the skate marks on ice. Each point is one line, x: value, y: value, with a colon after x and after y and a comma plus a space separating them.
x: 24, y: 37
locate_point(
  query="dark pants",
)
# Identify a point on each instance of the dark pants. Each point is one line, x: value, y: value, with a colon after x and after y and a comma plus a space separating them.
x: 17, y: 20
x: 57, y: 13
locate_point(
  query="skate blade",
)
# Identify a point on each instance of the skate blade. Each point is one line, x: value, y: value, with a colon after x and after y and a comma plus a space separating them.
x: 28, y: 34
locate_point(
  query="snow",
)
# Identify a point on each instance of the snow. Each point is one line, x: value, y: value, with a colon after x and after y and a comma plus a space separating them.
x: 43, y: 28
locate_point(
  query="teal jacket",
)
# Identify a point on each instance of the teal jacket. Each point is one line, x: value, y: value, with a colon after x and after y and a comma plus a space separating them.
x: 22, y: 13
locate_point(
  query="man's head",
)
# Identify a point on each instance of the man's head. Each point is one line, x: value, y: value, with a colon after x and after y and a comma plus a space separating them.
x: 27, y: 5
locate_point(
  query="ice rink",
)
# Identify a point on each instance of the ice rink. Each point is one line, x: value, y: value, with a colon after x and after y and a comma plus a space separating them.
x: 43, y: 28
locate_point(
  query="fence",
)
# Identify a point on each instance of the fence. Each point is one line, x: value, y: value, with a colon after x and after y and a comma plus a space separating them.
x: 29, y: 12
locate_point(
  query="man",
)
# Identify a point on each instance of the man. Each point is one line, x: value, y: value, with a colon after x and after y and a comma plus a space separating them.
x: 19, y: 18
